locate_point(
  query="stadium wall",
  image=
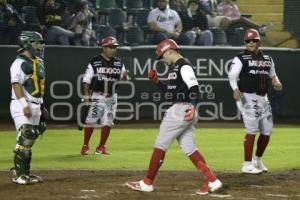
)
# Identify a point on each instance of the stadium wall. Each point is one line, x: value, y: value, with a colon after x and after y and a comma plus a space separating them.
x: 139, y: 99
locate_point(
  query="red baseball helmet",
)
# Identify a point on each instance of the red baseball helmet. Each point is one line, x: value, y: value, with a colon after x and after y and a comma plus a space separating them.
x: 109, y: 41
x: 164, y: 46
x: 251, y: 34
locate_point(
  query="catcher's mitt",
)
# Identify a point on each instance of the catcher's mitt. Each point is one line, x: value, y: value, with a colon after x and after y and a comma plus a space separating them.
x: 44, y: 113
x: 43, y: 118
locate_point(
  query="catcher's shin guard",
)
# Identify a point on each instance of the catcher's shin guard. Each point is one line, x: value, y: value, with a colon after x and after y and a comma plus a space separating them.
x: 22, y: 161
x: 25, y: 140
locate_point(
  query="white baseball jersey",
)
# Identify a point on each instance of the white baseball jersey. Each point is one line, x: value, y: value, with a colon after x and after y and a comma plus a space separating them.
x: 30, y: 74
x: 254, y: 104
x: 166, y: 19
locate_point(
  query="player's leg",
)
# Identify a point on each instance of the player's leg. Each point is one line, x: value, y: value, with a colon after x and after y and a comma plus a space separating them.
x: 101, y: 149
x: 249, y: 140
x: 107, y: 120
x: 22, y: 158
x: 248, y: 109
x: 265, y: 129
x: 38, y: 129
x: 188, y: 145
x: 171, y: 127
x: 262, y: 144
x: 87, y: 133
x: 91, y: 120
x: 106, y: 123
x: 19, y: 170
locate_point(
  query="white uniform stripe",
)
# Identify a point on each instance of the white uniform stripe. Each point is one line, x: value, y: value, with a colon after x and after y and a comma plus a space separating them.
x: 89, y: 73
x: 235, y: 70
x: 272, y: 72
x: 188, y: 76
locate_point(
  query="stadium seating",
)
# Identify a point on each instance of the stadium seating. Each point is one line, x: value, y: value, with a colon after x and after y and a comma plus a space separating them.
x: 134, y: 4
x: 29, y: 15
x: 104, y: 31
x: 104, y: 7
x: 105, y: 4
x: 141, y: 21
x: 134, y: 36
x: 219, y: 36
x: 270, y: 11
x: 117, y: 20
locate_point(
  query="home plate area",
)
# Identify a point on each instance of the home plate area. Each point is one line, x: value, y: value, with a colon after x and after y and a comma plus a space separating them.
x: 84, y: 184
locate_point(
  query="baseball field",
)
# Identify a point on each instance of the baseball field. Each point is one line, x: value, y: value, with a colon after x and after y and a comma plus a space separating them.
x: 67, y: 175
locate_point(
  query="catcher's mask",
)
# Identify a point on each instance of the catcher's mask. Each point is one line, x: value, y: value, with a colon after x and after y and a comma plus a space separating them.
x: 26, y: 39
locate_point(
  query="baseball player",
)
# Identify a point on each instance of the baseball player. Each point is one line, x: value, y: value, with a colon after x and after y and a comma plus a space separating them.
x: 179, y: 120
x: 100, y: 92
x: 254, y: 70
x: 28, y: 82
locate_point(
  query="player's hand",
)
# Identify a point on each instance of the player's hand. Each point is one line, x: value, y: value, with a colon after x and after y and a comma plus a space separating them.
x: 189, y: 114
x: 237, y: 94
x: 278, y: 87
x: 86, y: 99
x: 276, y: 83
x: 152, y: 75
x: 176, y: 34
x: 27, y: 112
x: 126, y: 75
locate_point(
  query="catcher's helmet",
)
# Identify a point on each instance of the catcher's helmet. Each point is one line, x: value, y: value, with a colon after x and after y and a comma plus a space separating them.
x: 109, y: 41
x: 164, y: 46
x: 25, y: 40
x: 251, y: 34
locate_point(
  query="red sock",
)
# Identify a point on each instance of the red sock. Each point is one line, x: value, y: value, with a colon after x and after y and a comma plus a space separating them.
x: 199, y: 161
x: 105, y: 130
x: 156, y: 161
x: 262, y: 144
x: 88, y: 131
x: 196, y: 157
x: 248, y: 146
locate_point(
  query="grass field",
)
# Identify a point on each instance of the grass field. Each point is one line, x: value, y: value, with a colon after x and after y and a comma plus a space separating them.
x: 131, y: 150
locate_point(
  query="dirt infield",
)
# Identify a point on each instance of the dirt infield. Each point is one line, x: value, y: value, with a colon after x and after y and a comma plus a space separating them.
x: 68, y: 185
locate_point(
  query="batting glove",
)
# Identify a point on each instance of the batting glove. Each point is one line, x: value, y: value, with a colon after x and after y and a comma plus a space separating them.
x: 152, y: 75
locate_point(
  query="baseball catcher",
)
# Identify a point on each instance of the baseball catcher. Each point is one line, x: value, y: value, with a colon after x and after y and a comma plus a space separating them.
x: 28, y: 82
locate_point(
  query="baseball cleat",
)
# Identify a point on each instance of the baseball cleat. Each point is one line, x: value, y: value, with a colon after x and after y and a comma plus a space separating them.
x: 85, y: 150
x: 140, y: 186
x: 258, y: 164
x: 35, y: 179
x: 22, y: 180
x: 250, y: 169
x: 209, y: 187
x: 101, y: 151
